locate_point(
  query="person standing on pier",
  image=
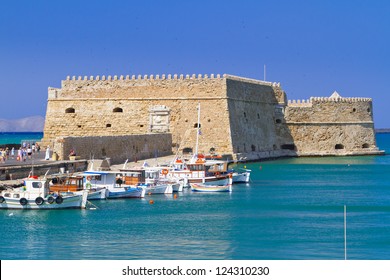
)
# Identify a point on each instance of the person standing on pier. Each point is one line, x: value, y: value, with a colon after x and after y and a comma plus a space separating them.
x: 47, y: 156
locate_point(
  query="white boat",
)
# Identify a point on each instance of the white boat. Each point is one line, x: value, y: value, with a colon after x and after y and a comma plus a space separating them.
x: 35, y: 194
x: 156, y: 188
x: 118, y: 184
x: 200, y: 171
x: 241, y: 177
x: 212, y: 188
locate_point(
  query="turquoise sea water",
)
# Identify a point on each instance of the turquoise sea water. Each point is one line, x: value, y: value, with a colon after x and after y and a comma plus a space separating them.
x: 292, y: 209
x: 18, y: 137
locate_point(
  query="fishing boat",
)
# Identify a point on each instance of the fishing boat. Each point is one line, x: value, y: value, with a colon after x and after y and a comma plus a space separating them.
x: 199, y: 187
x: 149, y: 178
x: 118, y: 184
x: 77, y: 184
x: 241, y: 176
x: 200, y: 171
x: 36, y: 194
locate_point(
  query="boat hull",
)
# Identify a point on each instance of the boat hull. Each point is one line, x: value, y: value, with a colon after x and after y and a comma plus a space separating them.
x: 211, y: 181
x: 126, y: 192
x: 159, y: 189
x: 76, y: 201
x: 241, y: 177
x: 210, y: 188
x: 97, y: 194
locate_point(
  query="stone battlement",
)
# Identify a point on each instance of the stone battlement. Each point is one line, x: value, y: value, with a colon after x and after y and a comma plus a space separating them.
x: 167, y: 77
x: 312, y: 100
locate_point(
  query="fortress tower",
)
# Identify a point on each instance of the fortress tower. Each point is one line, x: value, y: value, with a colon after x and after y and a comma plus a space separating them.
x: 241, y: 117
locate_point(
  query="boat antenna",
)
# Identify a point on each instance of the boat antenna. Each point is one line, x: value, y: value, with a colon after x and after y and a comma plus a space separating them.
x: 124, y: 165
x: 46, y: 173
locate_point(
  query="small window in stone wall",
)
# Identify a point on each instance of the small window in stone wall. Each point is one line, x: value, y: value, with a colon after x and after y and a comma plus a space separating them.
x: 196, y: 125
x: 365, y: 146
x: 118, y: 110
x: 244, y: 115
x: 368, y: 110
x: 187, y: 150
x: 354, y: 110
x: 339, y: 146
x: 278, y: 121
x: 253, y: 147
x: 69, y: 110
x: 108, y: 125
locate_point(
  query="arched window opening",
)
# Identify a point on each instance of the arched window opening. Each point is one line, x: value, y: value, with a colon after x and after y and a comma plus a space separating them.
x: 196, y: 125
x: 253, y: 147
x: 187, y: 150
x: 69, y: 110
x: 118, y: 110
x: 368, y: 110
x: 212, y: 151
x: 354, y: 110
x: 108, y: 125
x: 339, y: 146
x: 365, y: 146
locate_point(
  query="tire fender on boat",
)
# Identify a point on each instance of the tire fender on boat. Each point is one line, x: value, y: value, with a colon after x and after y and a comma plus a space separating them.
x: 50, y: 199
x: 23, y: 201
x: 59, y: 199
x: 39, y: 200
x: 2, y: 199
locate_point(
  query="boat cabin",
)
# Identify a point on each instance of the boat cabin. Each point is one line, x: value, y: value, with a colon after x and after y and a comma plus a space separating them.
x: 67, y: 184
x: 32, y: 188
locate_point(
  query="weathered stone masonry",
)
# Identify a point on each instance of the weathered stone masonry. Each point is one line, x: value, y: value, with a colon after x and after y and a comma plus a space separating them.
x: 241, y: 117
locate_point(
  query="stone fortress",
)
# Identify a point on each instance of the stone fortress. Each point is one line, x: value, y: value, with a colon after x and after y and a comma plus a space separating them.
x: 146, y: 116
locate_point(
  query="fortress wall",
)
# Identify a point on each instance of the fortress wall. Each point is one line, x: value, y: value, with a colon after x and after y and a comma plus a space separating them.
x: 92, y: 104
x: 331, y: 126
x: 252, y: 116
x: 330, y: 110
x: 241, y: 116
x: 117, y: 148
x: 337, y: 139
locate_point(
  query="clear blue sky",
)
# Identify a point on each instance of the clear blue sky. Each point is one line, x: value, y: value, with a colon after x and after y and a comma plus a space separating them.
x: 311, y: 47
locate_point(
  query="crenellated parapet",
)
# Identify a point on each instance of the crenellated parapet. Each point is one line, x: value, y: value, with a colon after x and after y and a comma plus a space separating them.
x: 163, y: 77
x: 146, y: 77
x: 339, y: 99
x: 317, y: 100
x: 300, y: 103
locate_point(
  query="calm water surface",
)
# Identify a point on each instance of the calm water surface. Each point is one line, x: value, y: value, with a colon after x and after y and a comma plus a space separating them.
x: 292, y: 209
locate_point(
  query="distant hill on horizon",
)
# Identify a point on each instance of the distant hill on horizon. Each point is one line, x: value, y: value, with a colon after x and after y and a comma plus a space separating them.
x: 28, y: 124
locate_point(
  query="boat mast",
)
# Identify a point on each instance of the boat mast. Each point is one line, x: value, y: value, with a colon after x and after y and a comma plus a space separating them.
x: 197, y: 131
